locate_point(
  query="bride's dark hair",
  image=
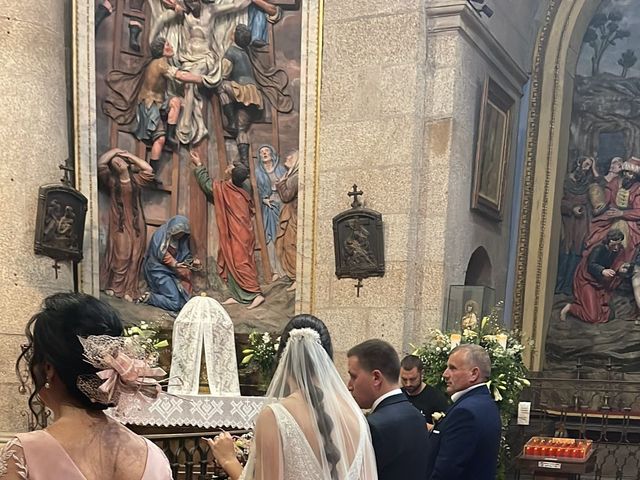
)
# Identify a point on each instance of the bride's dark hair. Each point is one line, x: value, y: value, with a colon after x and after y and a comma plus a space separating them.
x: 325, y: 424
x: 52, y: 337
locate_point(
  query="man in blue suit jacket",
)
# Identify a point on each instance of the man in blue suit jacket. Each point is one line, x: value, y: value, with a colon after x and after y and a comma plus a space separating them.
x: 464, y: 445
x: 398, y: 430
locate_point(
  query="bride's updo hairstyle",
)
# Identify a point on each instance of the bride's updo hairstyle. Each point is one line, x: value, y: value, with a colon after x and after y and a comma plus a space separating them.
x: 306, y: 321
x: 325, y: 424
x: 52, y: 337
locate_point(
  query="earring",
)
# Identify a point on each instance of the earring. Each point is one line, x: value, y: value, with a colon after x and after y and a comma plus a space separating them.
x: 47, y: 385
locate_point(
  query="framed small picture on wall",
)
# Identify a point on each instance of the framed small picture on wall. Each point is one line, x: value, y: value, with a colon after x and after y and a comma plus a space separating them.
x: 492, y: 150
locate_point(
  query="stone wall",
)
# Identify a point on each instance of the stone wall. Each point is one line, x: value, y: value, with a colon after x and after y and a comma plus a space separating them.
x: 401, y: 87
x: 371, y: 131
x: 463, y: 50
x: 33, y: 132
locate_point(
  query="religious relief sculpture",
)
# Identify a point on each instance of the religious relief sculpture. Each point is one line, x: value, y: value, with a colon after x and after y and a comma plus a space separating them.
x: 246, y: 77
x: 269, y: 171
x: 103, y: 9
x: 576, y: 210
x: 358, y: 242
x: 261, y: 13
x: 200, y: 31
x: 142, y: 96
x: 60, y: 222
x: 213, y: 77
x: 612, y: 242
x: 356, y: 248
x: 597, y: 276
x: 168, y: 264
x: 124, y: 175
x: 234, y: 209
x: 286, y: 237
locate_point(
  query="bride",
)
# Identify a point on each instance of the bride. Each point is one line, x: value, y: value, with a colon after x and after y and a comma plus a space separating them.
x: 315, y: 430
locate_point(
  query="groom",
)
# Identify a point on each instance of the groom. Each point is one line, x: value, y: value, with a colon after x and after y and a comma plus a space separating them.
x: 397, y: 428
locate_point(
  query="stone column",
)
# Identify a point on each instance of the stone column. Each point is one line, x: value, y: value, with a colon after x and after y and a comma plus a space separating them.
x: 371, y: 134
x: 34, y: 135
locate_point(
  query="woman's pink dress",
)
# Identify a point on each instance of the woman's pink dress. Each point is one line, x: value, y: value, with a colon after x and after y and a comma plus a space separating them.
x: 38, y: 456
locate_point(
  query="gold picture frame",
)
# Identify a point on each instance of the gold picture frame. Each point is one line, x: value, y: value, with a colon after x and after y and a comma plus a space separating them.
x: 492, y: 150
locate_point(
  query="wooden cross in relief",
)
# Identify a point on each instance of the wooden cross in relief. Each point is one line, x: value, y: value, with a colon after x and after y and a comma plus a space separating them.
x: 355, y: 194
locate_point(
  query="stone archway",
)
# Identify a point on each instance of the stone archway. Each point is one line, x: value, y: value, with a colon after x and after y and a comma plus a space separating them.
x: 479, y: 269
x: 549, y: 120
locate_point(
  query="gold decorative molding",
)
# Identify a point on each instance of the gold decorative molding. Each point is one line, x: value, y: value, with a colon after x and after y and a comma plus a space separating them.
x: 309, y: 146
x: 84, y: 136
x: 545, y: 163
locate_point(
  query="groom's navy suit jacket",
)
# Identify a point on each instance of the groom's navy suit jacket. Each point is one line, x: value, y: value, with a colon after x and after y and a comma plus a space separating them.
x: 399, y: 438
x: 464, y: 444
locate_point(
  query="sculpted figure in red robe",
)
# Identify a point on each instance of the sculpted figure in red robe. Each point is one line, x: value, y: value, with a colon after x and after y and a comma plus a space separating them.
x: 234, y: 209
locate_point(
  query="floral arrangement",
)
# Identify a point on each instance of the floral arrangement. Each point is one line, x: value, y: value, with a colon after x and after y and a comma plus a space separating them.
x: 261, y: 354
x: 508, y: 373
x: 148, y: 336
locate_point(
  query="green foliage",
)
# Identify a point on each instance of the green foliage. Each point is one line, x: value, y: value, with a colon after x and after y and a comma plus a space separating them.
x: 603, y: 31
x: 261, y: 354
x: 508, y: 373
x: 627, y: 60
x: 148, y: 336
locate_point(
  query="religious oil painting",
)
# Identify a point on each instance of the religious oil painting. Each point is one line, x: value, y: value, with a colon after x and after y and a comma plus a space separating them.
x: 492, y: 150
x: 197, y: 135
x: 596, y: 317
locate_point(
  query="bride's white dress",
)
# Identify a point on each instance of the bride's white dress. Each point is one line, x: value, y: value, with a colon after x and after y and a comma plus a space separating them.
x: 299, y: 459
x: 315, y: 431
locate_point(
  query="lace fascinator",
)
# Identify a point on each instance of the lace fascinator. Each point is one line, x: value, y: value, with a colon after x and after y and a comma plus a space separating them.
x: 124, y: 369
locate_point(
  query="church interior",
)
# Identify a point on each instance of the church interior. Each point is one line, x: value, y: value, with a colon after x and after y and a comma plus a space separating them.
x: 212, y: 166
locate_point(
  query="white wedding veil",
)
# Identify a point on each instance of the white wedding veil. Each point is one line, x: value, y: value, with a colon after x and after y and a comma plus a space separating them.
x: 315, y: 416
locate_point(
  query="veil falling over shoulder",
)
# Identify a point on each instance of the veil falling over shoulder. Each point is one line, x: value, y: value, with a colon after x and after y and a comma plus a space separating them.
x: 322, y: 433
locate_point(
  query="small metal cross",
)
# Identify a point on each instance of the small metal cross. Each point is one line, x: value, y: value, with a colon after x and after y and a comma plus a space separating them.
x: 56, y: 267
x: 358, y: 286
x: 356, y: 202
x: 68, y: 170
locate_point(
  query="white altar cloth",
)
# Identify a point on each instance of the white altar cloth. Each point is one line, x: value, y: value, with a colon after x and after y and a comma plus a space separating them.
x: 204, y: 411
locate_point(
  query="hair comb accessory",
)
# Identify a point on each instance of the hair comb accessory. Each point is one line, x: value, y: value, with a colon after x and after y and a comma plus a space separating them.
x: 125, y: 368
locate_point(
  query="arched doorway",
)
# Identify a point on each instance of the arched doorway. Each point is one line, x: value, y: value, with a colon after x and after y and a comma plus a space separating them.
x: 479, y: 270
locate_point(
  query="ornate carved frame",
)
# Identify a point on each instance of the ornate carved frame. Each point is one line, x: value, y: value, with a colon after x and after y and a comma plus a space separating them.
x: 555, y: 59
x: 84, y: 121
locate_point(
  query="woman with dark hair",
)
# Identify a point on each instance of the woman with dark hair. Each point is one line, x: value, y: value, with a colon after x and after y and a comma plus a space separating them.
x: 127, y: 235
x: 66, y: 340
x: 315, y: 430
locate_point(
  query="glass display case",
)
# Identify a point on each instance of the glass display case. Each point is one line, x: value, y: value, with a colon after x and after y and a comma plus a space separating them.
x: 467, y: 305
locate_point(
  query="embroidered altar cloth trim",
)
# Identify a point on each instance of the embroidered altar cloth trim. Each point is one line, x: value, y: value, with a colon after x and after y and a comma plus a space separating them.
x: 204, y: 411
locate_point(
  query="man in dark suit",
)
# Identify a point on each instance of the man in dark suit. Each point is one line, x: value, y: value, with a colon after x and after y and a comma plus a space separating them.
x: 398, y: 430
x: 464, y: 445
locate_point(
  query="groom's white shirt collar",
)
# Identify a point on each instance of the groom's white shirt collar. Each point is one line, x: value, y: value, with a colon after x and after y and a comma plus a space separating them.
x: 386, y: 395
